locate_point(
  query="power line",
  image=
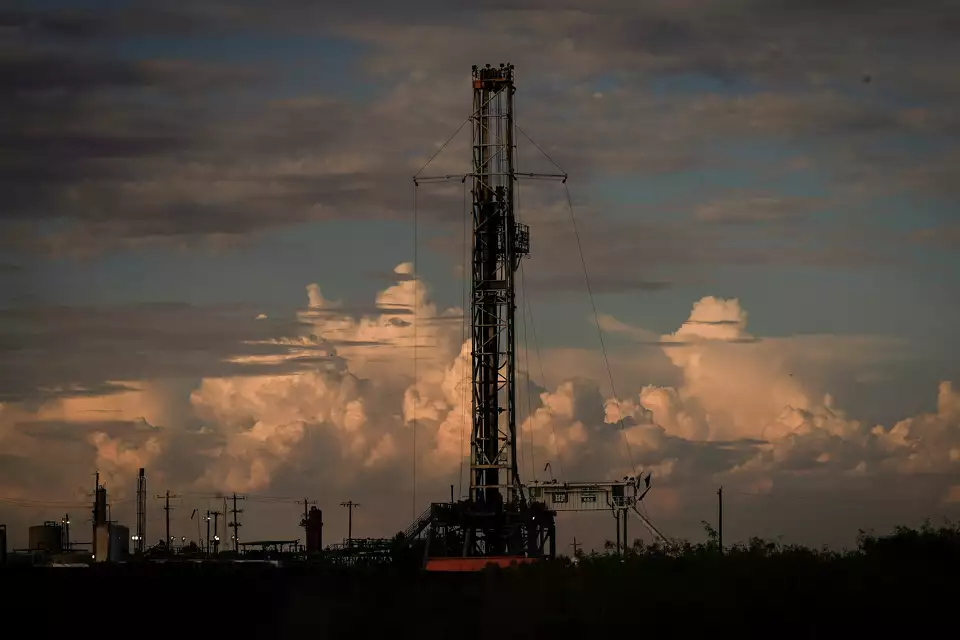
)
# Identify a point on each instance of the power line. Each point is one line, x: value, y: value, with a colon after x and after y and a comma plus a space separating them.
x: 26, y: 503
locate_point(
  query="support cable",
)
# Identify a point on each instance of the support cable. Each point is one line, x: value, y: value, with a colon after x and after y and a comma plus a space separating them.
x: 543, y: 377
x: 649, y: 525
x: 545, y: 154
x: 593, y: 305
x: 463, y: 337
x: 416, y: 385
x: 529, y: 385
x: 596, y: 318
x: 450, y: 139
x: 442, y: 147
x: 518, y: 213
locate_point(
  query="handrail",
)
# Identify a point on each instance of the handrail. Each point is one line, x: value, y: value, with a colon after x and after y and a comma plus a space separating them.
x: 419, y: 524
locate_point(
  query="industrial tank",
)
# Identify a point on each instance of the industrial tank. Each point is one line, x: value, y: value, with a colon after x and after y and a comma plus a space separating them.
x: 314, y: 527
x: 119, y: 542
x: 46, y: 537
x: 112, y: 542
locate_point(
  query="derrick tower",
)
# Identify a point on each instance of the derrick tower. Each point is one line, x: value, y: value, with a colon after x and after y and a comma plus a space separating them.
x: 495, y: 521
x: 499, y: 243
x: 502, y: 519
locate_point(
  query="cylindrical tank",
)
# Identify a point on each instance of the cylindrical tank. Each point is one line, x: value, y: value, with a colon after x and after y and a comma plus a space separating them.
x: 3, y: 543
x: 119, y: 542
x: 46, y: 537
x: 314, y: 526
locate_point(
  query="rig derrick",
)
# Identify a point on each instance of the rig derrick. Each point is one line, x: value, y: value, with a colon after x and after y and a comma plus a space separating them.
x: 502, y: 520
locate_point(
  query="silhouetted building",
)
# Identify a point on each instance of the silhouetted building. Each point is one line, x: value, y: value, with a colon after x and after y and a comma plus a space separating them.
x: 47, y: 537
x: 314, y: 530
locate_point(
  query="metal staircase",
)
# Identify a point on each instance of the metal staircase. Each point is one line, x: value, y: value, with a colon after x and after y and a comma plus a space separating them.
x: 418, y: 526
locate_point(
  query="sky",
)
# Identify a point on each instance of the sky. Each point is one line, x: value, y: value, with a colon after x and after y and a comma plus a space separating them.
x: 208, y: 264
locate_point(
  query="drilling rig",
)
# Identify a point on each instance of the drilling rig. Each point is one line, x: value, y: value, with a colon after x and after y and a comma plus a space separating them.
x: 502, y: 520
x: 495, y: 521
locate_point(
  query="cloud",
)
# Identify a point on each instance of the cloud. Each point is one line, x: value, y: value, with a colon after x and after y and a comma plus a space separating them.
x: 754, y: 209
x: 945, y: 237
x: 720, y: 409
x: 53, y: 351
x: 151, y: 136
x: 103, y: 150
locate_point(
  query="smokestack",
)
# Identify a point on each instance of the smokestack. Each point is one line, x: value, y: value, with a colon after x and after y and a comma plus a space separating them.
x: 139, y: 547
x: 100, y: 506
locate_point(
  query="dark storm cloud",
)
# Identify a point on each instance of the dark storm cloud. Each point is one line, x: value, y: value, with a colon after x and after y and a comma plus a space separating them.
x: 125, y: 152
x: 89, y: 23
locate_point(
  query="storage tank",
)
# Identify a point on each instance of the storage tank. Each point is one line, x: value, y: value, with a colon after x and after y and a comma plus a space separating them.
x: 113, y: 542
x: 46, y: 537
x: 314, y: 527
x: 3, y: 544
x: 119, y: 542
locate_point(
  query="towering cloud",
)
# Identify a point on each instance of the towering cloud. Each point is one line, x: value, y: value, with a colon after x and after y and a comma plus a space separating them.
x: 743, y: 415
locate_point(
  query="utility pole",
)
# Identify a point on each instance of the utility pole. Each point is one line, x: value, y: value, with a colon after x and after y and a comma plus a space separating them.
x: 236, y: 521
x: 216, y: 534
x: 65, y: 524
x: 166, y: 508
x: 306, y: 517
x: 208, y: 533
x: 576, y: 547
x: 349, y: 504
x: 306, y: 514
x: 720, y: 518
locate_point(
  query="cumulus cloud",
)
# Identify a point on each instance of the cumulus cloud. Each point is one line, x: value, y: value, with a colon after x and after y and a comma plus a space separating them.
x: 744, y: 412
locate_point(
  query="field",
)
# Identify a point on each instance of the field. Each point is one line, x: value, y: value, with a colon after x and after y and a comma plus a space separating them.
x: 902, y: 583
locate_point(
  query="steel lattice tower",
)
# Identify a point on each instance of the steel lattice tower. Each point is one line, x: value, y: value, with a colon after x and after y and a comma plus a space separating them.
x: 503, y: 520
x: 499, y: 243
x: 496, y: 521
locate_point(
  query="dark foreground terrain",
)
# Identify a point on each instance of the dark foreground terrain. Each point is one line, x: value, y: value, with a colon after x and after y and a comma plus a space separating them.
x: 905, y: 583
